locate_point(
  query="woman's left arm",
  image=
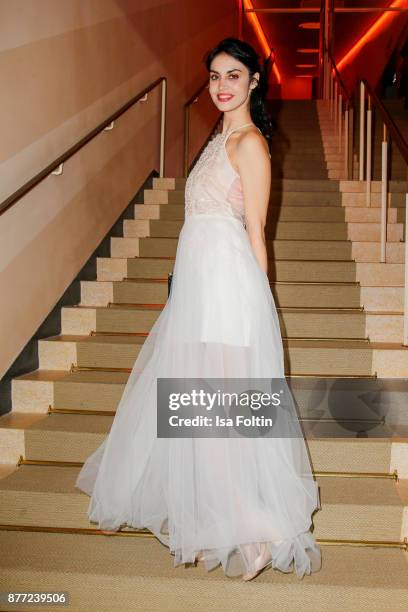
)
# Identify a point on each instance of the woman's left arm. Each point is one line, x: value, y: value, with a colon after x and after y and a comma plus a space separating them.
x: 254, y: 167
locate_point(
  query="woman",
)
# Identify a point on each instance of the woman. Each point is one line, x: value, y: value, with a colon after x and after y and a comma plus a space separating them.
x: 245, y: 502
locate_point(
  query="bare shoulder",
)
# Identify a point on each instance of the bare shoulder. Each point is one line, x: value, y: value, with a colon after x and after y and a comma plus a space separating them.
x: 252, y: 142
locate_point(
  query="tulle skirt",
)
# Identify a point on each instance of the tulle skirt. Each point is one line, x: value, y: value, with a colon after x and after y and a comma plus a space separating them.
x: 223, y: 497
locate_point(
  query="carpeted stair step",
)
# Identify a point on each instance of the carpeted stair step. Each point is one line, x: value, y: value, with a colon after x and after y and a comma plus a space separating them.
x: 280, y: 213
x: 351, y: 508
x: 286, y: 293
x: 278, y: 230
x: 278, y: 198
x: 71, y: 437
x: 281, y: 270
x: 334, y: 214
x: 178, y: 183
x: 110, y: 351
x: 124, y: 573
x: 299, y: 173
x: 102, y: 389
x: 281, y: 230
x: 277, y: 249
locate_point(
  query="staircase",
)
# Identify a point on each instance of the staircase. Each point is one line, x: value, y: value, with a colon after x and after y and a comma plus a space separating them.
x: 336, y: 306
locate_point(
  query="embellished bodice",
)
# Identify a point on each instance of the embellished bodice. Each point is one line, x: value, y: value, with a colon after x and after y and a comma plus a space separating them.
x: 213, y: 185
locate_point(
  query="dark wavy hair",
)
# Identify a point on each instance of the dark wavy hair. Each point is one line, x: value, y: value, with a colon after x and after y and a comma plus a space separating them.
x: 245, y: 53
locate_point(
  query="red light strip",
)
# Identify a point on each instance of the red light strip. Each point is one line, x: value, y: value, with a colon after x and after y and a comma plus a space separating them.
x: 379, y: 24
x: 310, y: 25
x: 253, y: 19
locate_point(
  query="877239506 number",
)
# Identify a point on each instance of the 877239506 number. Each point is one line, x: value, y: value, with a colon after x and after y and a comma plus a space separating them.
x: 34, y: 597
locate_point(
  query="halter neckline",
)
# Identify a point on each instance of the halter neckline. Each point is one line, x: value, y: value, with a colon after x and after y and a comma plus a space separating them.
x: 236, y: 128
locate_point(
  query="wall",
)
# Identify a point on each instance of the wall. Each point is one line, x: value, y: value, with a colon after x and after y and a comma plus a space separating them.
x: 64, y: 67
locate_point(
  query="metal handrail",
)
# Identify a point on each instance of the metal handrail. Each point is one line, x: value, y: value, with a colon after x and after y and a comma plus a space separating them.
x: 348, y: 97
x: 192, y: 100
x: 54, y: 165
x: 194, y: 97
x: 392, y: 127
x: 197, y: 155
x: 389, y: 129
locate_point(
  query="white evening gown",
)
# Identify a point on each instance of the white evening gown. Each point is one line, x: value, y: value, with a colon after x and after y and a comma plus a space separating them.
x: 221, y: 496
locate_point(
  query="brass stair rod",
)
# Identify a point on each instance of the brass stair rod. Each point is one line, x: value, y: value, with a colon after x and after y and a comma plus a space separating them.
x: 80, y: 411
x: 280, y: 308
x: 302, y: 338
x: 147, y: 534
x: 318, y: 375
x: 333, y: 420
x: 321, y: 474
x: 84, y: 411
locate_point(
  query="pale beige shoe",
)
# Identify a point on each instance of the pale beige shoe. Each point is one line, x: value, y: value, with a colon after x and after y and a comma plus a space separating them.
x: 261, y: 563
